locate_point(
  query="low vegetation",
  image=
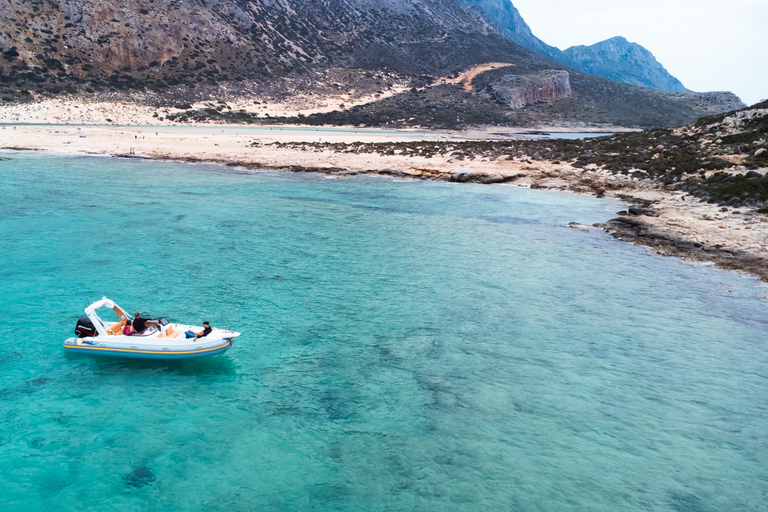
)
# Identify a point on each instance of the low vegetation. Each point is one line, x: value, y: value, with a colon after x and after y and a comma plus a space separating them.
x: 698, y: 160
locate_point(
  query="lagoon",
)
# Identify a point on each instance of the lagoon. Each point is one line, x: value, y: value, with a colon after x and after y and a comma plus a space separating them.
x: 406, y: 345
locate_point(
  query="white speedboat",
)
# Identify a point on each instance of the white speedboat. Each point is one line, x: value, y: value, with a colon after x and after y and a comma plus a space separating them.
x: 166, y: 341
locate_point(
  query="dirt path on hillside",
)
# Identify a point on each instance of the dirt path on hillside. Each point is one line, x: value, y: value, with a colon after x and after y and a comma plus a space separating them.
x: 467, y: 76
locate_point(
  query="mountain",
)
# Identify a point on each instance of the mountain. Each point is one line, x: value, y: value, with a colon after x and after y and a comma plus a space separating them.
x: 507, y: 19
x: 620, y: 60
x: 254, y: 39
x: 614, y: 58
x: 442, y: 58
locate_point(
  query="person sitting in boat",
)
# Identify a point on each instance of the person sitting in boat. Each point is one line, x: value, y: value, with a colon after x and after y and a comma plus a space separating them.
x: 128, y: 328
x: 139, y: 324
x: 202, y: 334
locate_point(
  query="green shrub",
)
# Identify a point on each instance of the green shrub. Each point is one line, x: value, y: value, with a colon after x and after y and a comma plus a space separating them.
x: 724, y: 187
x: 741, y: 138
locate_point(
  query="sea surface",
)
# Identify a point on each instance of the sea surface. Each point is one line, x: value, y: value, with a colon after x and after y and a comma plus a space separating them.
x: 406, y: 346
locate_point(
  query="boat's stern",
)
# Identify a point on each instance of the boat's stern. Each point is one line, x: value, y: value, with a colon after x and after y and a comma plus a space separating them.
x: 74, y: 344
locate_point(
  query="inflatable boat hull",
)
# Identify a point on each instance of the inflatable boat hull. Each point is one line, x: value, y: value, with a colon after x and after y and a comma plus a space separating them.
x: 147, y: 351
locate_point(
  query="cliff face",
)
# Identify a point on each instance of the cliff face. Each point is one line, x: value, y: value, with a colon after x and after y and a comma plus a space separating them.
x: 620, y: 60
x: 545, y: 87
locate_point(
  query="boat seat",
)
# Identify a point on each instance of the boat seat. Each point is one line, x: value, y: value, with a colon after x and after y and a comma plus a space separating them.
x: 116, y: 328
x: 168, y: 332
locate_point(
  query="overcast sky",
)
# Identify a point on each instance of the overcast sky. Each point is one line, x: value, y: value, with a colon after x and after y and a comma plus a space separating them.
x: 708, y: 45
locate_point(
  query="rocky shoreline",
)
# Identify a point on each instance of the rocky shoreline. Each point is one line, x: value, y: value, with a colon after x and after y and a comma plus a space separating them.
x: 699, y: 192
x: 635, y: 227
x: 644, y: 222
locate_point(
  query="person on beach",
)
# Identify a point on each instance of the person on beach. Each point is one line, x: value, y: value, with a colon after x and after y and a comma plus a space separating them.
x: 202, y: 334
x: 128, y: 328
x: 140, y: 324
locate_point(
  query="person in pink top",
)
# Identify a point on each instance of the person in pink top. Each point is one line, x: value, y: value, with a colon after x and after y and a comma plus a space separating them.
x: 128, y: 329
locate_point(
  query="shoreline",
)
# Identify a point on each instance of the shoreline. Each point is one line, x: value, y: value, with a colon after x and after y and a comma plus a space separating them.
x: 656, y: 217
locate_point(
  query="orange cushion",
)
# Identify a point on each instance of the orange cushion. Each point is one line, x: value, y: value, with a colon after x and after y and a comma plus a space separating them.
x: 116, y: 328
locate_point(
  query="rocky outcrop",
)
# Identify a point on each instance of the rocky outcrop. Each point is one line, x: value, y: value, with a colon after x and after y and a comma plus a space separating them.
x: 623, y: 61
x: 545, y: 87
x: 678, y: 237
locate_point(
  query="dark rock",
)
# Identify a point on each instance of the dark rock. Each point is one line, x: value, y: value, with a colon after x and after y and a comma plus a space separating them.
x: 629, y: 221
x: 39, y: 381
x: 490, y: 178
x: 637, y: 211
x: 336, y: 404
x: 686, y: 502
x: 139, y: 477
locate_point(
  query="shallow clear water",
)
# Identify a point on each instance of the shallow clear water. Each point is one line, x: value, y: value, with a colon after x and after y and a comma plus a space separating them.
x: 406, y: 345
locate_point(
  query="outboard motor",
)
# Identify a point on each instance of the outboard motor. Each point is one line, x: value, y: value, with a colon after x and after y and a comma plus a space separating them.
x: 85, y: 327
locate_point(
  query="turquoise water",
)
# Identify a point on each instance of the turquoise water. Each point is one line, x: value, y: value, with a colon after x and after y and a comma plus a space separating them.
x: 406, y: 346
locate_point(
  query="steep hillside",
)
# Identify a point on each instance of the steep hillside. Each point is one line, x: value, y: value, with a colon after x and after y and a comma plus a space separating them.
x: 157, y: 42
x: 507, y: 19
x: 179, y: 52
